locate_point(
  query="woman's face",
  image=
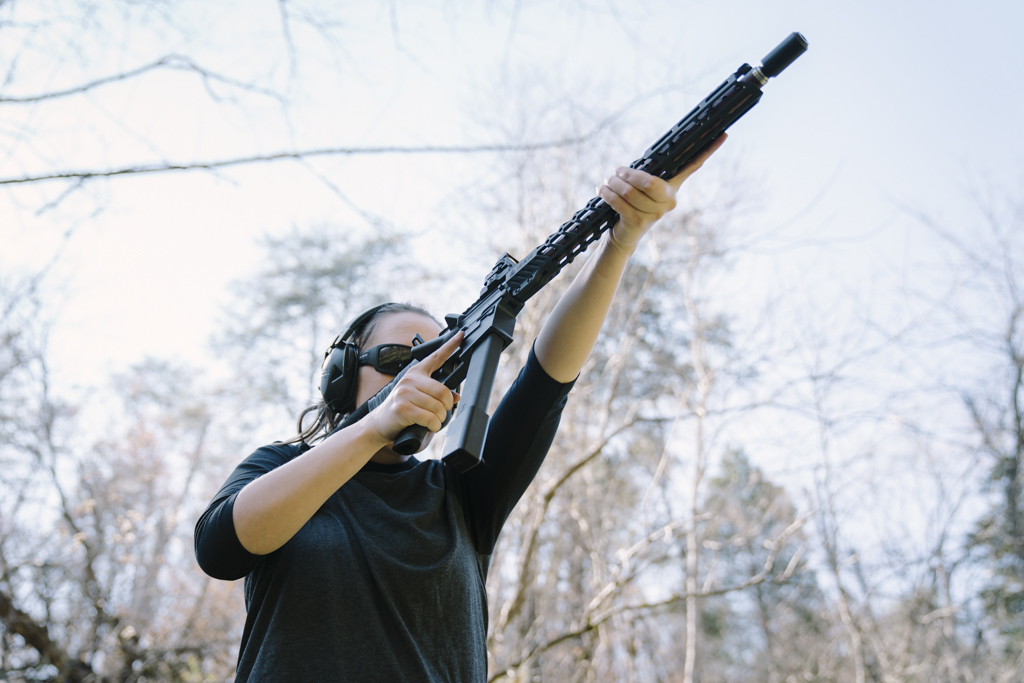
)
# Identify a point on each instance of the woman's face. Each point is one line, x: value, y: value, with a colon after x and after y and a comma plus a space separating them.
x: 396, y: 328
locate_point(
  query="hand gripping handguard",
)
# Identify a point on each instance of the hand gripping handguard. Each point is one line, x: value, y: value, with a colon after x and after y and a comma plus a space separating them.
x: 489, y: 322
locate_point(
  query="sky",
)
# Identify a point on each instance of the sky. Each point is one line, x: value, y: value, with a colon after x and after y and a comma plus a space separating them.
x: 896, y: 108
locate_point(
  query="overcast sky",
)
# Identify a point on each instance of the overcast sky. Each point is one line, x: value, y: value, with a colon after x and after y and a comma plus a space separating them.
x: 895, y: 105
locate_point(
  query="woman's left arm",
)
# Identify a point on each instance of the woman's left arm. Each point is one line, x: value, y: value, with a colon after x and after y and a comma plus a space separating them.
x: 570, y: 332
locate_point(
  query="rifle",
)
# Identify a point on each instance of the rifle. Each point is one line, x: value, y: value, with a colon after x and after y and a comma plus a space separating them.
x: 489, y: 322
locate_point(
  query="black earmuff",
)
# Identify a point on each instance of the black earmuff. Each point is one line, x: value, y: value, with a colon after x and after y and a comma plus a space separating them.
x: 340, y: 369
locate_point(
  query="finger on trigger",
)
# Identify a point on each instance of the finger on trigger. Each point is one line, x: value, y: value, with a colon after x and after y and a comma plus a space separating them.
x: 430, y: 410
x: 436, y: 394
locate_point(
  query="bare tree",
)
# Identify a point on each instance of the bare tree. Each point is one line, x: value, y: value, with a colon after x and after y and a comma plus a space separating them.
x: 96, y: 576
x: 600, y: 574
x: 284, y: 316
x: 986, y: 314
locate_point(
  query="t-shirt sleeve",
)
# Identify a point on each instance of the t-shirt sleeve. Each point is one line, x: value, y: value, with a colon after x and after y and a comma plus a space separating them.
x: 519, y: 435
x: 218, y: 550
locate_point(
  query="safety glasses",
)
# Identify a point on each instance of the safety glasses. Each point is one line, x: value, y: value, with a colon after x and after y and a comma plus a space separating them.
x: 388, y: 359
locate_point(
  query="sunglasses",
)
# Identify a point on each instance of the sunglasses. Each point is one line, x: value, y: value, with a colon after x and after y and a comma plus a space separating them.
x: 388, y: 359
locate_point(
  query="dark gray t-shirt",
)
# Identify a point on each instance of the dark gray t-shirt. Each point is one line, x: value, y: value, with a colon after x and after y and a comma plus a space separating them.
x: 386, y: 582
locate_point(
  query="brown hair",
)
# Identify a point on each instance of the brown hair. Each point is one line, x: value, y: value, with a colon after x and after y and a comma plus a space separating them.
x: 327, y: 419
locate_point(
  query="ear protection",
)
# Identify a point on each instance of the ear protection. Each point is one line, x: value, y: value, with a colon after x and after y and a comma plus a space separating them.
x: 341, y: 365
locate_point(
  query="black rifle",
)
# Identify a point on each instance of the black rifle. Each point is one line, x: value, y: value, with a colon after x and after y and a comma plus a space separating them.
x: 489, y: 322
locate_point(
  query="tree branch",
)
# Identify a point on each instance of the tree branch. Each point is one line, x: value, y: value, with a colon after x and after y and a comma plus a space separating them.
x: 37, y: 636
x: 512, y: 606
x: 299, y: 155
x: 593, y: 622
x: 173, y: 62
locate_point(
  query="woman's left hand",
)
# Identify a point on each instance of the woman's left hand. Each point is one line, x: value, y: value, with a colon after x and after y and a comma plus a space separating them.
x: 641, y: 199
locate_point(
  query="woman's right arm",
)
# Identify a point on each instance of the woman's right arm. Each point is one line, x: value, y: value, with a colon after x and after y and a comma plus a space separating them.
x: 273, y: 507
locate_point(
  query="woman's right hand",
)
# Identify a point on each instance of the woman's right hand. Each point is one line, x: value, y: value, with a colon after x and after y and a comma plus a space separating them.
x: 417, y: 398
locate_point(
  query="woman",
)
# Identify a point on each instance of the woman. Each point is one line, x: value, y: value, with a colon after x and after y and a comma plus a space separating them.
x: 365, y: 565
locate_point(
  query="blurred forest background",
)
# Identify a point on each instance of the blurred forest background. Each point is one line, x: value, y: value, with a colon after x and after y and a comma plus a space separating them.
x: 794, y: 456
